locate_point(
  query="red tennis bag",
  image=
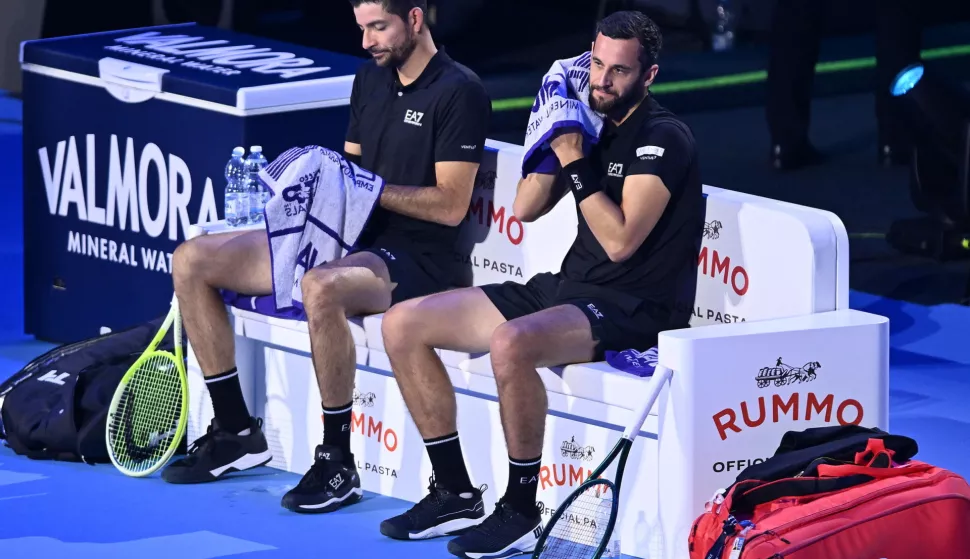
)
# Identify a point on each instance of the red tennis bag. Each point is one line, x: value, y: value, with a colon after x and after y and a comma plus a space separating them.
x: 870, y: 509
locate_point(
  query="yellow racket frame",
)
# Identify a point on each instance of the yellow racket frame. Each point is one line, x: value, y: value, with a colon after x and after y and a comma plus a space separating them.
x: 173, y: 319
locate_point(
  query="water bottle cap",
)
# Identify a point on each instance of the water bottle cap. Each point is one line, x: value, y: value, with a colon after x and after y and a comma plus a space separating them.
x: 256, y: 149
x: 239, y: 150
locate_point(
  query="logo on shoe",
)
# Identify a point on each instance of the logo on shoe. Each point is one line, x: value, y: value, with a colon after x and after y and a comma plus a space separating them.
x: 336, y: 481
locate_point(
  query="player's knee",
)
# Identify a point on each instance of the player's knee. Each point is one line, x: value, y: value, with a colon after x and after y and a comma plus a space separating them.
x: 511, y: 344
x: 187, y: 262
x: 321, y: 289
x: 401, y: 327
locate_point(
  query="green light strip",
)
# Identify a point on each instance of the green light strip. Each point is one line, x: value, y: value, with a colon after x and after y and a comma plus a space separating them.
x: 743, y: 78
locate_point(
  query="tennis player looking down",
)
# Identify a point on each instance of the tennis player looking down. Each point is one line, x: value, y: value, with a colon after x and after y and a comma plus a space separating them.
x: 628, y: 276
x: 418, y: 119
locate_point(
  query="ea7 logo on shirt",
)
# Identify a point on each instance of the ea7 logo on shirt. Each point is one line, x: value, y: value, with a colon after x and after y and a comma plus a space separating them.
x: 413, y: 117
x: 615, y: 170
x: 650, y: 152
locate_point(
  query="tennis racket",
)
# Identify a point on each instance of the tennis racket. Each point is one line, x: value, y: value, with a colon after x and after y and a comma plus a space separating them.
x: 584, y: 522
x: 149, y: 410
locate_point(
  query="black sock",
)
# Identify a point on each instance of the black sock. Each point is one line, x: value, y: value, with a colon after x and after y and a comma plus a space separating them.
x: 523, y: 485
x: 228, y: 402
x: 448, y: 463
x: 336, y: 428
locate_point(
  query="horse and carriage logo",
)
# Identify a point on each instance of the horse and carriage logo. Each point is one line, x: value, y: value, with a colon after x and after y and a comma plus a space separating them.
x: 712, y: 229
x: 783, y: 374
x: 364, y: 399
x: 572, y: 450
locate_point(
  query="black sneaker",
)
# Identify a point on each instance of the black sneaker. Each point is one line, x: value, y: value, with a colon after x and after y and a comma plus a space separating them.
x: 328, y: 485
x: 440, y: 513
x: 504, y: 533
x: 220, y: 452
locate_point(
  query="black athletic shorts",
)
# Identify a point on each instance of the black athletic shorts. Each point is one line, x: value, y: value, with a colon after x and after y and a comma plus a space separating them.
x: 415, y: 271
x: 618, y: 321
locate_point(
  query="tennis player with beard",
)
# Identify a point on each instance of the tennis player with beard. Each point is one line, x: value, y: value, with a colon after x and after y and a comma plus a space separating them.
x: 418, y: 119
x: 628, y: 276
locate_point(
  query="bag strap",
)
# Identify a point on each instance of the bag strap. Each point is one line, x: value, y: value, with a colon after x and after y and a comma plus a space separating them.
x: 825, y: 475
x: 875, y: 455
x: 875, y: 461
x: 796, y: 487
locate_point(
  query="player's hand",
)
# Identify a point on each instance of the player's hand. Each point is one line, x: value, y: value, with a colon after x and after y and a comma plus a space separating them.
x: 568, y: 146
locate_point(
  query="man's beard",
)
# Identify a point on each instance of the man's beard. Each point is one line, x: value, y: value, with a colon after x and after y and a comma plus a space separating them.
x: 617, y: 106
x: 398, y: 55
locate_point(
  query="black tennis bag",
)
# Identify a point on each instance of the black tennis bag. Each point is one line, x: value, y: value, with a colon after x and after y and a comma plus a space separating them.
x: 56, y: 407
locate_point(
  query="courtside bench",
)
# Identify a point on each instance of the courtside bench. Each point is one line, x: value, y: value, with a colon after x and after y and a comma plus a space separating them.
x: 772, y: 347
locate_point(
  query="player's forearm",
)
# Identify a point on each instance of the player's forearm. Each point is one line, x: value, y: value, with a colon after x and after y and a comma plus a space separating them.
x: 534, y: 197
x: 425, y: 203
x: 608, y: 224
x: 605, y: 218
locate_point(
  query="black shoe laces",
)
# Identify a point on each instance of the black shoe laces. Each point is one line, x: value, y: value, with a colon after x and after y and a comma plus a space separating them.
x: 200, y: 445
x: 497, y: 520
x: 204, y: 443
x: 431, y: 503
x: 319, y: 472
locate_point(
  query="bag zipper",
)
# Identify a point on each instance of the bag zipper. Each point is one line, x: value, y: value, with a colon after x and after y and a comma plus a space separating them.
x: 831, y: 510
x: 894, y: 510
x: 716, y: 501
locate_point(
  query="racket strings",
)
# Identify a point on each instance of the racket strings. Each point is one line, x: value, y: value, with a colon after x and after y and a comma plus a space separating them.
x: 148, y: 414
x: 581, y: 528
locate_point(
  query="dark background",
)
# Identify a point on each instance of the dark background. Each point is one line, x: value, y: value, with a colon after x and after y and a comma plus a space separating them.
x: 729, y: 121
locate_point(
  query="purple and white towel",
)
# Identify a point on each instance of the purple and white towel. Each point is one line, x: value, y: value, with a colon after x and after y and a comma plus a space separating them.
x: 562, y: 102
x: 320, y: 205
x: 639, y: 363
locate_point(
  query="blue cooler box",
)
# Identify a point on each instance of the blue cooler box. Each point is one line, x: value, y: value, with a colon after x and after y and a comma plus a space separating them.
x: 126, y: 139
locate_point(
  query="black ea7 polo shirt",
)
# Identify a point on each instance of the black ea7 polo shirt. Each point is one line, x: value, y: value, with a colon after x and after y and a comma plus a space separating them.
x: 651, y: 141
x: 404, y: 130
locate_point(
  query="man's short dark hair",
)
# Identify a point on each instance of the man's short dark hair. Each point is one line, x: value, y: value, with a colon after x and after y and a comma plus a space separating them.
x: 632, y: 24
x: 400, y: 8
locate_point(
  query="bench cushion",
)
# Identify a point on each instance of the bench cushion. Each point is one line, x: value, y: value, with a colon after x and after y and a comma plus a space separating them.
x: 260, y: 304
x: 263, y: 308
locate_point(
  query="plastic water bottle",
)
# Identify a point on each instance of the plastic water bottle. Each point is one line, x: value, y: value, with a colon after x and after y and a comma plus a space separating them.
x: 612, y: 550
x: 602, y: 516
x: 237, y: 191
x: 258, y: 194
x: 722, y: 38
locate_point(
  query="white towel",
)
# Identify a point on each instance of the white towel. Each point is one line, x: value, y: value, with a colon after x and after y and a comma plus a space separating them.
x: 562, y: 102
x: 320, y: 205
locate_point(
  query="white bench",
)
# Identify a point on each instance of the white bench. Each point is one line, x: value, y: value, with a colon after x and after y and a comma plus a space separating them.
x: 772, y: 286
